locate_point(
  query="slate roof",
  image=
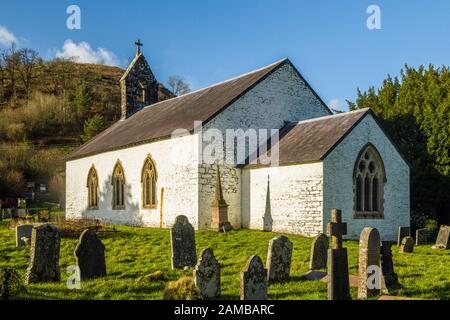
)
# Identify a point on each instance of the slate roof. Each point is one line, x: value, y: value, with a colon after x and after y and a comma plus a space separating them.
x: 159, y: 120
x: 313, y: 139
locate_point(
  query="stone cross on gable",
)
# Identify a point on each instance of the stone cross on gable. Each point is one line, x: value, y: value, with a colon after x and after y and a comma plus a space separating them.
x: 336, y: 229
x: 138, y: 44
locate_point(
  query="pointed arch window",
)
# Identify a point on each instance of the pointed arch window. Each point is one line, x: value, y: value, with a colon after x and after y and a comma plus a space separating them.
x: 148, y: 180
x: 118, y: 184
x: 369, y: 178
x: 92, y: 185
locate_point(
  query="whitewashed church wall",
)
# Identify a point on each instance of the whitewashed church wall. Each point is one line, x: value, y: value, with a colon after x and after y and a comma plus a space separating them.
x: 281, y: 97
x: 293, y: 202
x: 177, y: 168
x: 338, y: 182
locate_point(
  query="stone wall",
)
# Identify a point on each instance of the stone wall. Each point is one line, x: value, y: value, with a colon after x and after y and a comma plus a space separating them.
x: 338, y: 181
x: 293, y: 202
x: 177, y: 168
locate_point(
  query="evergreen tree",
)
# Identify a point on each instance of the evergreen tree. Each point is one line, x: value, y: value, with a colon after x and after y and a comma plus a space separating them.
x: 93, y: 126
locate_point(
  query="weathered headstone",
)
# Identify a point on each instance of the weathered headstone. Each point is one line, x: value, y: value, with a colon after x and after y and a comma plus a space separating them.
x: 182, y: 238
x: 44, y: 256
x: 23, y: 232
x: 390, y: 278
x: 443, y: 238
x: 338, y: 279
x: 407, y: 245
x: 279, y: 258
x: 90, y: 256
x: 319, y: 248
x: 219, y: 207
x: 425, y: 236
x: 254, y: 280
x: 403, y: 232
x: 369, y: 264
x: 207, y: 275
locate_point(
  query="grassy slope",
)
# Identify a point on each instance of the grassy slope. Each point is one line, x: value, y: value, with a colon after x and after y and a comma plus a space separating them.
x: 135, y: 252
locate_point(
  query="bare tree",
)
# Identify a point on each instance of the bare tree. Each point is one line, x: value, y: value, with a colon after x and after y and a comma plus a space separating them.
x: 29, y: 64
x: 178, y: 85
x: 11, y: 61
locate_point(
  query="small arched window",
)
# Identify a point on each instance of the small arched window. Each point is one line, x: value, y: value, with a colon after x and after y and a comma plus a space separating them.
x: 148, y: 180
x: 118, y: 184
x: 92, y: 185
x: 369, y: 178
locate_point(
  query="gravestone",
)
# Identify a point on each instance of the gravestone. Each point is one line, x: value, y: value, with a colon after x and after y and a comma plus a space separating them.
x: 182, y: 238
x: 443, y: 238
x: 23, y: 232
x: 402, y: 232
x: 44, y: 256
x: 279, y: 258
x: 319, y: 248
x: 254, y: 280
x: 338, y: 278
x: 90, y: 256
x: 207, y: 275
x: 390, y: 278
x: 407, y: 245
x: 424, y: 236
x: 369, y: 284
x: 219, y: 207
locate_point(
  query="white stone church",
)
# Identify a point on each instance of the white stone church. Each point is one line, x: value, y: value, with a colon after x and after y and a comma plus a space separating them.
x: 138, y: 173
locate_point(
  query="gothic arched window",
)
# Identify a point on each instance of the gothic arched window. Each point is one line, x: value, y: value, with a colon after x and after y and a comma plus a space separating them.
x: 118, y: 183
x: 148, y: 180
x: 92, y: 185
x: 369, y: 178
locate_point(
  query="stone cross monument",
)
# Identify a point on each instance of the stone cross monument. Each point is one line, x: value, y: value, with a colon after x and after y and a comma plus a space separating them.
x: 219, y: 208
x: 338, y: 279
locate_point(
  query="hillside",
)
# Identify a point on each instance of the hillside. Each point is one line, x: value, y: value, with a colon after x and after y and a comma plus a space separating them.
x: 47, y: 108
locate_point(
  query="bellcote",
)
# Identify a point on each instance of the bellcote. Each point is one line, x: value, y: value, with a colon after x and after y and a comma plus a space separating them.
x: 138, y: 85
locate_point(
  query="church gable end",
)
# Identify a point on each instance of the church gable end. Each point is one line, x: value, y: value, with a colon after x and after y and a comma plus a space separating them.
x: 138, y: 85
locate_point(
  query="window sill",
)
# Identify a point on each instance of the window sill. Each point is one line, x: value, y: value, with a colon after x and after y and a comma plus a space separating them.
x: 368, y: 215
x: 92, y: 208
x: 119, y: 208
x: 150, y: 207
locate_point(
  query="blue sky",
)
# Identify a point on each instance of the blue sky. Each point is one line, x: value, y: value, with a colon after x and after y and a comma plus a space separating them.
x: 211, y: 40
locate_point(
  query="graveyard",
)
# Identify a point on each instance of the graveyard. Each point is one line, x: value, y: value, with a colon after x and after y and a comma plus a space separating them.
x: 139, y: 266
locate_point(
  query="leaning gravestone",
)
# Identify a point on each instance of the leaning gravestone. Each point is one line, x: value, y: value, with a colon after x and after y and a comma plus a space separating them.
x: 403, y: 232
x: 207, y: 275
x: 369, y: 264
x: 443, y: 238
x: 90, y: 256
x: 23, y: 232
x: 319, y: 248
x: 279, y: 258
x: 425, y: 236
x: 44, y: 256
x: 182, y: 238
x: 390, y: 278
x: 338, y: 278
x: 254, y: 280
x: 407, y: 245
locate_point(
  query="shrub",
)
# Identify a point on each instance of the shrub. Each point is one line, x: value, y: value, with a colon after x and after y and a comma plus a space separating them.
x: 155, y: 276
x: 182, y: 289
x: 10, y: 284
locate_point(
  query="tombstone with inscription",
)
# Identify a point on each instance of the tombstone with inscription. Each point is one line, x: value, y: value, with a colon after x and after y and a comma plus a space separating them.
x: 182, y: 238
x: 390, y: 278
x: 90, y: 256
x: 23, y: 234
x: 319, y: 248
x: 207, y: 275
x: 369, y: 268
x: 44, y: 256
x: 403, y: 232
x: 338, y: 278
x: 254, y: 280
x: 279, y: 258
x: 443, y: 238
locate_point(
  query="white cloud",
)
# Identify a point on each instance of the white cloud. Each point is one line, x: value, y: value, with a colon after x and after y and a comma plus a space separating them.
x: 84, y: 53
x: 338, y: 105
x: 7, y: 37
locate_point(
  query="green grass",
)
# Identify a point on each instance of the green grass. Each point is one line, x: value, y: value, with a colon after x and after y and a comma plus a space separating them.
x: 136, y: 252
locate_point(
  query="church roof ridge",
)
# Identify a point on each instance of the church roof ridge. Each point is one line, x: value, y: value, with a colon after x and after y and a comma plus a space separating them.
x: 341, y: 114
x: 224, y: 81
